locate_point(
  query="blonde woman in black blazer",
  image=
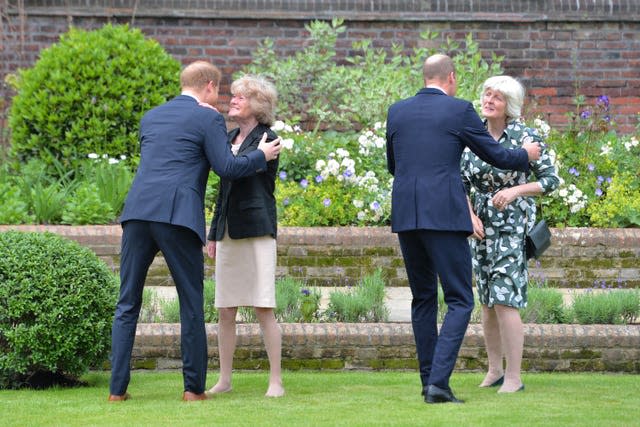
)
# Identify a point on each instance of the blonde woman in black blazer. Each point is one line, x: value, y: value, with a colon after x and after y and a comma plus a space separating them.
x: 242, y: 238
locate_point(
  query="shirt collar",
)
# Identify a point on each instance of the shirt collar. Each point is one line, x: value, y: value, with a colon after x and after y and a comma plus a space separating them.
x: 191, y: 94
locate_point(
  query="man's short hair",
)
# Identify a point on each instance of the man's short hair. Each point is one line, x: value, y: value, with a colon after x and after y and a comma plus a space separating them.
x: 437, y: 67
x: 198, y: 74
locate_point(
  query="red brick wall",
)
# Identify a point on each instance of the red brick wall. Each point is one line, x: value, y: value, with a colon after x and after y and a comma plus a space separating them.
x: 558, y: 48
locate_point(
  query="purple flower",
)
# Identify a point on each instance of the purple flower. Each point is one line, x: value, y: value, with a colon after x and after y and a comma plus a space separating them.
x: 375, y: 205
x: 326, y: 202
x: 574, y: 171
x: 599, y: 179
x: 607, y: 118
x: 591, y: 167
x: 304, y: 183
x: 598, y: 192
x: 306, y: 292
x: 283, y: 175
x: 347, y: 173
x: 585, y: 114
x: 603, y: 100
x: 609, y: 179
x: 286, y: 201
x: 319, y: 179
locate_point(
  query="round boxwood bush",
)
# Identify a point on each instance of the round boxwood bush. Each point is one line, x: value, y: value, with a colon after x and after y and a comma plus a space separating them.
x: 87, y: 93
x: 57, y: 300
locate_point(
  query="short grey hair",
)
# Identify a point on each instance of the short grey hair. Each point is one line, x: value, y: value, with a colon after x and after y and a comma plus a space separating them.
x: 262, y: 95
x: 512, y: 90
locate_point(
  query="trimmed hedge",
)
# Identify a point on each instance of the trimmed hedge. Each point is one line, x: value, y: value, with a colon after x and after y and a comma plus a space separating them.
x: 57, y: 300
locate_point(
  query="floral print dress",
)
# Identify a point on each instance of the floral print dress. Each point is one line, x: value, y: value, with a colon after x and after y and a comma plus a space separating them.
x: 499, y: 261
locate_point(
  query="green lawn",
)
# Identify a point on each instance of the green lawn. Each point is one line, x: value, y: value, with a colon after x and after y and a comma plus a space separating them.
x: 333, y: 399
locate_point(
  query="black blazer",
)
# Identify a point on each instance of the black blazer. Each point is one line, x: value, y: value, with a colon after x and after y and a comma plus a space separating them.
x: 247, y: 205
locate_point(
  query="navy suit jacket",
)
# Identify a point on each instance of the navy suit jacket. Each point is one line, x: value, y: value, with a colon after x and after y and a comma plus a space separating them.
x: 426, y: 135
x: 180, y: 142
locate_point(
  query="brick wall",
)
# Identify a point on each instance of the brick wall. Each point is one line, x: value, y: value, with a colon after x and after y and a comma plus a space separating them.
x: 338, y: 256
x: 547, y: 348
x: 559, y: 48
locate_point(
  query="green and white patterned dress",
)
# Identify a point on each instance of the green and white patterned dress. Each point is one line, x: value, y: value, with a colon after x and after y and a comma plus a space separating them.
x: 499, y: 262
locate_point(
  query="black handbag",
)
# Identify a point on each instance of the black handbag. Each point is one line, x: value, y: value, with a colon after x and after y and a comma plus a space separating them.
x: 538, y: 240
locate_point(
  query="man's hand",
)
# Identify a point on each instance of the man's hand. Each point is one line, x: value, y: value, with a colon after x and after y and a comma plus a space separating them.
x: 478, y: 227
x: 533, y: 150
x: 270, y: 149
x: 211, y: 249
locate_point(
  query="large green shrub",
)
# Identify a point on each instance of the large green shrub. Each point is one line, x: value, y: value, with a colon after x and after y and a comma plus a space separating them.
x: 315, y: 88
x: 56, y: 304
x: 87, y: 93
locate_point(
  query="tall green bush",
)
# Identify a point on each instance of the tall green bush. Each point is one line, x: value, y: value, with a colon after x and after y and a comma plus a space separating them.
x: 56, y: 305
x: 315, y: 88
x: 87, y: 93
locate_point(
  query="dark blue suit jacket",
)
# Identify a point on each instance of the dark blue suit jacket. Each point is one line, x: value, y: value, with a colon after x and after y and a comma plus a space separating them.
x: 180, y: 142
x: 426, y: 135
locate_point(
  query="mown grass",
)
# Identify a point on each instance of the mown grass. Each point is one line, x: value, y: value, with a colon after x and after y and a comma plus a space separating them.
x: 333, y: 399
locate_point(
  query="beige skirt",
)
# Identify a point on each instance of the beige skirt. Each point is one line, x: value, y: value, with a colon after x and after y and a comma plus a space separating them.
x: 246, y: 272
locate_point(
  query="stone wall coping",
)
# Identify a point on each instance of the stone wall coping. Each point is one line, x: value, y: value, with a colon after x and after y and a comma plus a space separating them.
x: 562, y: 335
x: 356, y: 10
x: 604, y: 348
x: 359, y: 236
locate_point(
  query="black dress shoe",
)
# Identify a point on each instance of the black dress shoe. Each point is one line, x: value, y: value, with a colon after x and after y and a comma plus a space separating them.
x: 436, y: 394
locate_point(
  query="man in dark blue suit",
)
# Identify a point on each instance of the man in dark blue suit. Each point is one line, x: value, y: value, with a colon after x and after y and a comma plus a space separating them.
x: 426, y: 135
x: 180, y: 141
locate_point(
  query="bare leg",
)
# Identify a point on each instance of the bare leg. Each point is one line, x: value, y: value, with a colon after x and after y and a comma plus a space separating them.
x: 273, y: 343
x: 226, y: 348
x: 493, y: 344
x: 512, y: 333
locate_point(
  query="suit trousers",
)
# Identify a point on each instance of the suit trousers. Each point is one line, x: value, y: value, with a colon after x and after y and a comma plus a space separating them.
x: 429, y: 255
x: 182, y: 250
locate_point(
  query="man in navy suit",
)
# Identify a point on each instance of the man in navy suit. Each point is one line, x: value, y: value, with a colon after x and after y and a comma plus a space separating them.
x: 426, y: 135
x: 180, y: 141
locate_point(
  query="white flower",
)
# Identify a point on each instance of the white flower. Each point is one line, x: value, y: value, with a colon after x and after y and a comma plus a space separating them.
x: 123, y: 157
x: 358, y: 203
x: 361, y: 215
x: 563, y: 193
x: 333, y: 167
x: 113, y: 161
x: 92, y: 156
x: 278, y: 125
x: 320, y: 164
x: 606, y: 149
x: 341, y: 152
x: 348, y: 163
x: 287, y: 143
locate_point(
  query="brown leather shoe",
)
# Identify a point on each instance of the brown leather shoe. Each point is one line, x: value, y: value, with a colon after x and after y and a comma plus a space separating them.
x: 190, y: 396
x: 119, y: 397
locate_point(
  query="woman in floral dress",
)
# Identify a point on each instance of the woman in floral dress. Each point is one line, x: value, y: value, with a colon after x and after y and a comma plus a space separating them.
x: 502, y: 211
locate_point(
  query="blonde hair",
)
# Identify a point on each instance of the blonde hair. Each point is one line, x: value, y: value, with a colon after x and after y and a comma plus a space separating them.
x: 198, y: 74
x: 512, y: 90
x: 262, y: 95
